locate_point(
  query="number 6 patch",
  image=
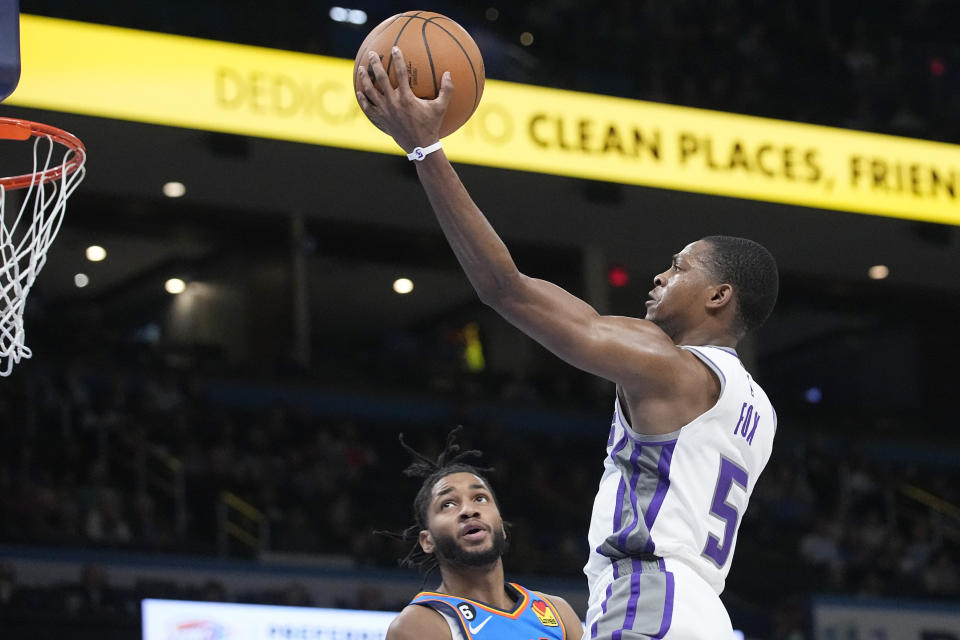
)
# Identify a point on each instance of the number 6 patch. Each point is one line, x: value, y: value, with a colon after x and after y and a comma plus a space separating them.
x: 467, y: 610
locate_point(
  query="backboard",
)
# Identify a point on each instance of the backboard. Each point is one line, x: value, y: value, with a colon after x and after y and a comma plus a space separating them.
x: 9, y: 47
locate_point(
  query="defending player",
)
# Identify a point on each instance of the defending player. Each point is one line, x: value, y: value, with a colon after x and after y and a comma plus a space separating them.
x: 459, y: 529
x: 691, y: 431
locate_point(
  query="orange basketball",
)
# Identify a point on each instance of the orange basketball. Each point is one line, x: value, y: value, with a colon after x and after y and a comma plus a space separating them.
x: 431, y: 44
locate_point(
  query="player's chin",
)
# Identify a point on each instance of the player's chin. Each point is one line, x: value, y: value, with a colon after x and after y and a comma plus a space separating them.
x: 480, y: 557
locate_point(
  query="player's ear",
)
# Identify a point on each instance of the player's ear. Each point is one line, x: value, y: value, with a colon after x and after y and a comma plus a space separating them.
x: 426, y: 542
x: 720, y: 296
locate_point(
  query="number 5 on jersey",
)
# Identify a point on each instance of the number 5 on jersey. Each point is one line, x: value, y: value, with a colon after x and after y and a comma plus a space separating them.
x: 730, y: 472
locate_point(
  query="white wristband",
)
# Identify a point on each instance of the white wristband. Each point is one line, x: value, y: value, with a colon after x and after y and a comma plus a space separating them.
x: 419, y: 153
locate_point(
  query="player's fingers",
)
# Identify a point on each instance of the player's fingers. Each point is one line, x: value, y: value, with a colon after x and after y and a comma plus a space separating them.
x: 372, y: 111
x: 380, y: 79
x: 446, y: 90
x: 364, y: 103
x: 400, y: 69
x: 372, y: 95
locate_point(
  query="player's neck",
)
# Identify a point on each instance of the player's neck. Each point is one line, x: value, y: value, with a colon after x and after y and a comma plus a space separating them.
x: 483, y: 584
x: 703, y: 335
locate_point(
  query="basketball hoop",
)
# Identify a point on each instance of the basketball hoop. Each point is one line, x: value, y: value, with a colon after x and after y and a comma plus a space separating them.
x: 24, y: 239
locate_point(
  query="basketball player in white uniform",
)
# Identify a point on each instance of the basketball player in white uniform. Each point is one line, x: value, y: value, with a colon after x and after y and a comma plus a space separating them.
x: 665, y: 518
x: 692, y: 431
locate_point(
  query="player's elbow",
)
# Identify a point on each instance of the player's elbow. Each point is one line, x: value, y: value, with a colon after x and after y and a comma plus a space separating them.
x: 501, y: 292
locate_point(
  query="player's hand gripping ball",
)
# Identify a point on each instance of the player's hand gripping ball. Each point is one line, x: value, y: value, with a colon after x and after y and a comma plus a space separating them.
x: 431, y: 44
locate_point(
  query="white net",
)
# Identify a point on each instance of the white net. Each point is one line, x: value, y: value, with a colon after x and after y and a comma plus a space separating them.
x: 26, y: 237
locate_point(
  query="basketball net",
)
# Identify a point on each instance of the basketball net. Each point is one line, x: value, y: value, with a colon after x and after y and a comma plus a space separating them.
x: 27, y: 233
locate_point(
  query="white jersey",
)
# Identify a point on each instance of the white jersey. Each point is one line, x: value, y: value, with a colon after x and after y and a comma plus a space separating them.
x: 681, y: 496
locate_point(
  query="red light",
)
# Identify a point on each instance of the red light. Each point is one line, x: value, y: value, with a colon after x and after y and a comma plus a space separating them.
x: 937, y: 67
x: 617, y: 276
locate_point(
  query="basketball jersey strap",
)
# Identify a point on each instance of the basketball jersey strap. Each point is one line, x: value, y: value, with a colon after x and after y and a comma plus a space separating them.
x: 533, y: 616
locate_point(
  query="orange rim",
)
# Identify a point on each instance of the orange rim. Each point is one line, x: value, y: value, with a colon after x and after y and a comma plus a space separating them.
x: 14, y: 129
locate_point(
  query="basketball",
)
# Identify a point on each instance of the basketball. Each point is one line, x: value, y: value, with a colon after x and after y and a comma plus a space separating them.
x: 431, y: 44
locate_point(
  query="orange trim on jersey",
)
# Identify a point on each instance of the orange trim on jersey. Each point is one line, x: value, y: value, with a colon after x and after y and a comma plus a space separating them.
x: 511, y: 615
x: 556, y: 611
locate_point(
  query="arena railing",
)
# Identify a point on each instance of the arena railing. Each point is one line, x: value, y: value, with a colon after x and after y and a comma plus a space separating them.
x: 240, y: 521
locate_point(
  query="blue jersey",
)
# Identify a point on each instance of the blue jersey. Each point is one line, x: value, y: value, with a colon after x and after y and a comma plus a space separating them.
x: 533, y: 618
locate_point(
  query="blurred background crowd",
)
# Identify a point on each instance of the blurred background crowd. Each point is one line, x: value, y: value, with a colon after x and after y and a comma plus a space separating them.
x: 92, y: 455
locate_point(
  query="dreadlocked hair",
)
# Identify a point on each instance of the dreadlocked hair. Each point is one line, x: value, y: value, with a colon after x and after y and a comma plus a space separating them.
x: 448, y: 462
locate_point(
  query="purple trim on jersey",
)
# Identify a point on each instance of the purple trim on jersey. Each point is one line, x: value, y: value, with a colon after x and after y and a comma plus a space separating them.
x: 668, y: 602
x: 616, y: 419
x: 663, y: 484
x: 641, y: 439
x: 622, y: 538
x: 617, y: 517
x: 621, y: 487
x: 729, y: 350
x: 603, y: 605
x: 616, y: 449
x: 713, y: 365
x: 631, y: 606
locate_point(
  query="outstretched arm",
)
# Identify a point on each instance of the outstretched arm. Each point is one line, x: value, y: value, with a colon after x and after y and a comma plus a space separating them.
x: 634, y: 353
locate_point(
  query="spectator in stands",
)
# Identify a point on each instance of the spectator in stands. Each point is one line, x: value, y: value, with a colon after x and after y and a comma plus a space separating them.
x: 94, y: 595
x: 920, y: 548
x: 821, y: 547
x: 10, y: 596
x: 941, y: 577
x: 105, y: 522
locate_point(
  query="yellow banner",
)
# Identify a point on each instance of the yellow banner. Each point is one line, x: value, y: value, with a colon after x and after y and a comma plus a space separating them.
x: 173, y: 80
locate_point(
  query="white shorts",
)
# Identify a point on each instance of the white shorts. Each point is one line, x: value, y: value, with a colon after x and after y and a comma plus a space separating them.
x: 662, y: 599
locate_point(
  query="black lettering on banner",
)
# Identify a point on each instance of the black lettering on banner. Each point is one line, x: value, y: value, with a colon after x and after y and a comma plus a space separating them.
x: 917, y: 179
x: 559, y: 137
x: 652, y: 145
x: 938, y: 635
x: 688, y: 147
x: 762, y: 152
x: 585, y: 127
x: 585, y: 135
x: 788, y: 163
x: 949, y: 185
x: 810, y: 160
x: 707, y: 144
x: 612, y: 140
x: 739, y: 156
x: 856, y: 171
x: 533, y: 129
